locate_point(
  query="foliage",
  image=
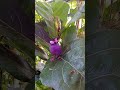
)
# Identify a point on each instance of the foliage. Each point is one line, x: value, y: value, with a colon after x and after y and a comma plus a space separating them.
x: 67, y: 74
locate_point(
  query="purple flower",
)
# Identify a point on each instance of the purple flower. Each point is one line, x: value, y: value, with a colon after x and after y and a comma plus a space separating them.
x: 55, y: 49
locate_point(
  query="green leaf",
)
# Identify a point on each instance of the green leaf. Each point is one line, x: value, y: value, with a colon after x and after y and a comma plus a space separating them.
x: 72, y: 12
x: 68, y: 35
x: 19, y: 41
x: 15, y: 64
x: 78, y: 14
x: 67, y: 74
x: 45, y: 10
x: 60, y: 11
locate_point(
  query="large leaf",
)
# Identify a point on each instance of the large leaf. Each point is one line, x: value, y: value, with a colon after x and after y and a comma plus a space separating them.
x: 41, y: 36
x: 15, y: 64
x: 69, y: 34
x: 67, y: 74
x: 61, y: 11
x: 45, y: 10
x: 19, y: 41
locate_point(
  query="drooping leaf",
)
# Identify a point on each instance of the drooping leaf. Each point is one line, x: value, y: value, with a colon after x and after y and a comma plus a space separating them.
x: 41, y: 42
x: 41, y: 36
x: 40, y: 32
x: 15, y: 64
x: 19, y: 41
x: 67, y: 74
x: 39, y: 52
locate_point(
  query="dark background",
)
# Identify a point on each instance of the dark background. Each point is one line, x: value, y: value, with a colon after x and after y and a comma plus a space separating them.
x: 18, y: 14
x: 102, y: 46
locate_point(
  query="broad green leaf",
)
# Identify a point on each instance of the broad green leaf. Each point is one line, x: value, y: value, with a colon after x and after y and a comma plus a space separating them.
x: 19, y: 41
x: 67, y: 74
x: 69, y: 34
x: 15, y: 64
x: 45, y: 10
x: 78, y: 14
x: 60, y: 11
